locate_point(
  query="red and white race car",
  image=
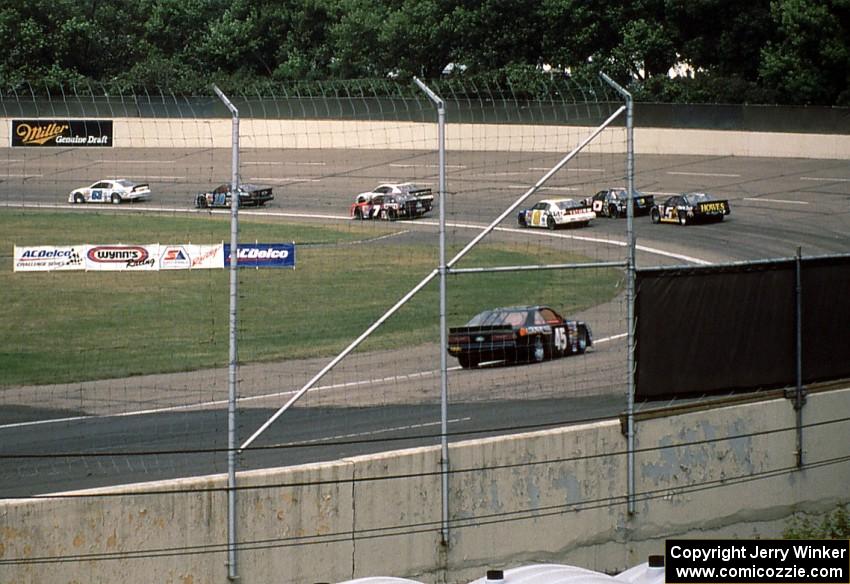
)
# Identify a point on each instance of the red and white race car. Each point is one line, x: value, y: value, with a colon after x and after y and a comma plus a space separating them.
x: 392, y: 201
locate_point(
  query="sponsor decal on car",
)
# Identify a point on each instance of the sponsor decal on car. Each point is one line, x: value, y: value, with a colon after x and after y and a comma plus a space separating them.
x: 62, y: 133
x: 263, y: 255
x: 48, y: 258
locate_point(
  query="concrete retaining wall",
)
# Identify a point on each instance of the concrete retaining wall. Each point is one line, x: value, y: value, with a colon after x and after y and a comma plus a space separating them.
x: 550, y: 496
x: 262, y: 133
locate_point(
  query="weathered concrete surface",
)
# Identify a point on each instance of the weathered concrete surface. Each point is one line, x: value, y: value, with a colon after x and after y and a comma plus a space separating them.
x: 261, y: 133
x: 557, y: 495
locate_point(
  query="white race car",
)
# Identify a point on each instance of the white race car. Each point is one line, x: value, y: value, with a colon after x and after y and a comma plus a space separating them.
x: 393, y: 201
x: 553, y: 213
x: 111, y: 191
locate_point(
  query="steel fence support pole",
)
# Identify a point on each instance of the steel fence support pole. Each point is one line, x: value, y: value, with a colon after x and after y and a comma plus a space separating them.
x: 799, y: 396
x: 444, y: 378
x: 232, y: 572
x: 630, y: 292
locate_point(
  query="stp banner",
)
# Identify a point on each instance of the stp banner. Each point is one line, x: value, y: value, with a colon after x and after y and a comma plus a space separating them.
x: 262, y: 255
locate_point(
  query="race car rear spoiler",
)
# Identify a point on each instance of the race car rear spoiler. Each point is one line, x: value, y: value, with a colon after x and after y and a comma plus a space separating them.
x: 713, y: 208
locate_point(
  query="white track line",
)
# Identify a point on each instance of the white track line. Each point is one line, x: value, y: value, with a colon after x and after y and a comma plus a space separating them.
x: 286, y: 179
x: 758, y: 200
x: 548, y: 168
x: 283, y: 163
x: 824, y: 179
x: 541, y: 233
x: 374, y: 432
x: 545, y: 188
x: 397, y: 165
x: 688, y: 173
x: 139, y: 161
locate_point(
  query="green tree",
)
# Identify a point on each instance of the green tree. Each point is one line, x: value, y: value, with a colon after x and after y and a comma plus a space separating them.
x: 809, y: 62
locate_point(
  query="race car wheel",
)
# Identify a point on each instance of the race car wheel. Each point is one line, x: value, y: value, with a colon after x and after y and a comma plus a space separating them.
x: 582, y: 341
x: 467, y: 361
x: 79, y: 199
x: 612, y: 212
x: 655, y: 215
x: 115, y: 199
x: 683, y: 219
x: 201, y: 202
x: 521, y: 220
x: 550, y: 223
x: 392, y: 214
x: 358, y: 214
x: 538, y: 351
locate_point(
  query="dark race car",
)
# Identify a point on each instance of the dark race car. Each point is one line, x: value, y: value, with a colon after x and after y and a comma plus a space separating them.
x: 249, y: 196
x: 518, y: 333
x: 690, y: 208
x: 612, y: 203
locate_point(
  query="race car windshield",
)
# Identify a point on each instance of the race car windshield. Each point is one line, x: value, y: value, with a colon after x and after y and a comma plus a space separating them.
x: 499, y: 317
x: 124, y: 183
x: 568, y: 204
x: 694, y: 198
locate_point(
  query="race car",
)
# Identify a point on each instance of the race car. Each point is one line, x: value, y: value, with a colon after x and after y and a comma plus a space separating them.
x: 393, y: 201
x: 249, y: 196
x: 612, y: 203
x: 553, y: 213
x: 690, y: 208
x: 517, y: 333
x: 114, y: 190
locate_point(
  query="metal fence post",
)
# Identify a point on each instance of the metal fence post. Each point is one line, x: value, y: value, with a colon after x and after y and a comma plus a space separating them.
x: 232, y: 572
x: 799, y: 396
x: 444, y: 380
x: 630, y: 292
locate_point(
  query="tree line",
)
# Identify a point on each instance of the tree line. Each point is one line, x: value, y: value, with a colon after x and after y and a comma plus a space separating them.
x: 760, y: 51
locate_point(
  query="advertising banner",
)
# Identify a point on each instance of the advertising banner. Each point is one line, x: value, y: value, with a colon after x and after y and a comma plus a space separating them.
x: 118, y: 257
x: 61, y: 133
x: 47, y: 258
x: 191, y: 257
x: 262, y: 255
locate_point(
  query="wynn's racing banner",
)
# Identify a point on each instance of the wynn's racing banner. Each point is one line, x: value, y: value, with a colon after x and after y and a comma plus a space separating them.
x: 62, y: 133
x: 118, y: 257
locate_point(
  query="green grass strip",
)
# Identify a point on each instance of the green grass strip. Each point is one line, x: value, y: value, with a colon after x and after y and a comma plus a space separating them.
x: 72, y: 326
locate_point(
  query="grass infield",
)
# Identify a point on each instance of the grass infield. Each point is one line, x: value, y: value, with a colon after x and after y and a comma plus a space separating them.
x: 71, y: 326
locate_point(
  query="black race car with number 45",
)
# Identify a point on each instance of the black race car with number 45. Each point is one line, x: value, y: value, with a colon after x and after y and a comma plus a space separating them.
x: 518, y: 333
x: 249, y: 196
x: 690, y: 208
x: 613, y: 203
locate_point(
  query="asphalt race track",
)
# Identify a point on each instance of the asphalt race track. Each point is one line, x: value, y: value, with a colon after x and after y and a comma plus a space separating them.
x: 777, y: 206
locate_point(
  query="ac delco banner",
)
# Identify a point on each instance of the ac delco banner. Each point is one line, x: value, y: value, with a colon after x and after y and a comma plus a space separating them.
x: 262, y: 255
x: 46, y: 258
x: 62, y: 133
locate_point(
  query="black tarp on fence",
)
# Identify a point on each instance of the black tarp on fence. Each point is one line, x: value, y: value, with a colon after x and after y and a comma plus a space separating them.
x: 718, y: 329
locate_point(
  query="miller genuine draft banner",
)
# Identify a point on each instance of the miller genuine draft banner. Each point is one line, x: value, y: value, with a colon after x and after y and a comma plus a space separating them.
x: 61, y: 133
